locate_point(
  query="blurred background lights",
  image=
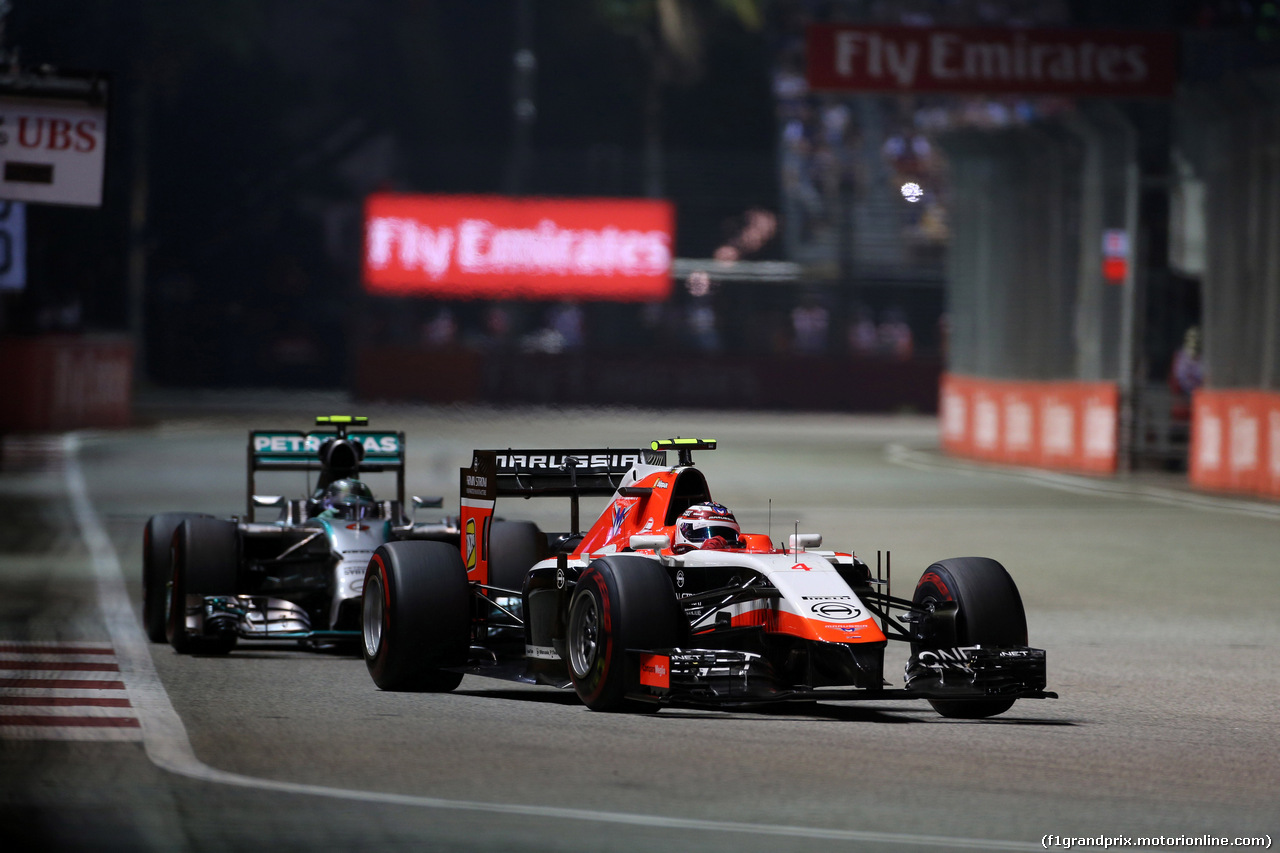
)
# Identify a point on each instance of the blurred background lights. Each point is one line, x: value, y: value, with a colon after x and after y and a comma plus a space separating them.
x: 699, y: 283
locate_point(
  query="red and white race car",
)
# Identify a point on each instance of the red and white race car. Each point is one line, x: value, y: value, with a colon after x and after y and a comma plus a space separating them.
x: 665, y: 600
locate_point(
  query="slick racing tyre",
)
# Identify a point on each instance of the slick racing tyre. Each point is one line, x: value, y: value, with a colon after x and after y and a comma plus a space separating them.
x: 619, y: 603
x: 988, y: 612
x: 205, y: 559
x: 514, y: 546
x: 157, y: 540
x: 416, y: 616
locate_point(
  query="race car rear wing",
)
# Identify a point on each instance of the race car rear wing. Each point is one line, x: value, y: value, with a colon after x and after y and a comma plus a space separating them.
x: 536, y: 473
x: 565, y: 473
x: 338, y: 451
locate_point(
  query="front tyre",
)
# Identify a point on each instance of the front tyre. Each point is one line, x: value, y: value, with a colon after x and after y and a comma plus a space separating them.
x: 157, y: 569
x: 205, y: 562
x: 988, y: 612
x: 416, y: 616
x: 619, y: 603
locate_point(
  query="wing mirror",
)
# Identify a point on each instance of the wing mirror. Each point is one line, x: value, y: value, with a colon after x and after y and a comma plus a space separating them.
x: 800, y: 541
x: 268, y: 501
x: 650, y: 542
x: 427, y: 503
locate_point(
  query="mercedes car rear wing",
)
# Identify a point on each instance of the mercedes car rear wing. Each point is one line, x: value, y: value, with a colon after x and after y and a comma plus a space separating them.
x: 337, y: 452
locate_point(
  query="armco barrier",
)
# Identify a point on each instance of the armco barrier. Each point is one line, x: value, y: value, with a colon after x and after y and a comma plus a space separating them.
x: 59, y: 382
x: 1235, y: 441
x: 1062, y: 425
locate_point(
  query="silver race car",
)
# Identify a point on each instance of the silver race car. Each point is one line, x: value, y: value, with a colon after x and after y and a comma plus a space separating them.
x: 208, y: 582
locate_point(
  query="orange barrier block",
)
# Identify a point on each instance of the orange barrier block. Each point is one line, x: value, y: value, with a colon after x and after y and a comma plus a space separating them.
x: 1019, y: 424
x: 1269, y: 478
x: 1099, y: 404
x: 1235, y: 441
x: 954, y: 393
x: 1061, y: 425
x: 1207, y: 462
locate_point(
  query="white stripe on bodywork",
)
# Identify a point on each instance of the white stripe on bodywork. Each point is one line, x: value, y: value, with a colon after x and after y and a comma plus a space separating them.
x: 819, y: 581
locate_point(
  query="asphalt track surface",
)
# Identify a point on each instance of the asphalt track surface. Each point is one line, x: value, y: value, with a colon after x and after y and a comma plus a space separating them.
x: 1157, y: 608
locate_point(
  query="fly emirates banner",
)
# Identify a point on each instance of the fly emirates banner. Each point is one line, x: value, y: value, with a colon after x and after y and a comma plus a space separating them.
x: 1102, y: 63
x: 496, y: 247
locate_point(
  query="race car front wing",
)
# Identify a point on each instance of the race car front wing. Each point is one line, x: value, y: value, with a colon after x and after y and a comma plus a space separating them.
x: 982, y: 670
x: 720, y: 677
x: 254, y: 617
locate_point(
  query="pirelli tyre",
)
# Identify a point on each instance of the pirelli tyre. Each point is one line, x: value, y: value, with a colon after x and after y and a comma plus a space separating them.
x: 205, y: 562
x: 157, y: 544
x: 619, y: 603
x: 416, y: 616
x: 514, y: 546
x: 988, y: 612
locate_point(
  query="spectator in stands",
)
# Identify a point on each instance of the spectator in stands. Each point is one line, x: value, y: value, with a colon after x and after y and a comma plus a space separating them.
x: 1185, y: 374
x: 863, y: 337
x: 566, y: 320
x: 895, y: 334
x: 809, y: 322
x: 441, y: 331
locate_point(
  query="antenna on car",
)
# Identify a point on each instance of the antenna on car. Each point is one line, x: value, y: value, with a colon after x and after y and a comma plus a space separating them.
x: 571, y: 464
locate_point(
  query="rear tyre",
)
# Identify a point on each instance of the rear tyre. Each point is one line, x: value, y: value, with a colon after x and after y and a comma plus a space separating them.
x: 989, y: 612
x: 205, y: 560
x: 619, y: 603
x: 416, y: 616
x: 157, y: 567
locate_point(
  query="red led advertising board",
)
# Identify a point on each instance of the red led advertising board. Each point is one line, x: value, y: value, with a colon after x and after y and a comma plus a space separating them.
x: 496, y: 247
x: 1067, y: 62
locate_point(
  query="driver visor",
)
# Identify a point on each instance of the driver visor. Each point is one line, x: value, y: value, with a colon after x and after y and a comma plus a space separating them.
x: 703, y: 533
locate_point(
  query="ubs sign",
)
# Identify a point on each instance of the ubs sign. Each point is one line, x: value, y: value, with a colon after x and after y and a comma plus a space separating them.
x: 53, y: 144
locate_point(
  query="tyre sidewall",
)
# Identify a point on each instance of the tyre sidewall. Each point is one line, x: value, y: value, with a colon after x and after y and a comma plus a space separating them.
x: 157, y: 569
x: 426, y: 615
x: 601, y: 685
x: 205, y: 562
x: 989, y: 609
x: 989, y: 612
x: 637, y: 609
x: 514, y: 546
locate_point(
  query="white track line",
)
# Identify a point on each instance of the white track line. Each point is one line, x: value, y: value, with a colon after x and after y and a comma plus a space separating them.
x: 167, y: 745
x: 926, y: 461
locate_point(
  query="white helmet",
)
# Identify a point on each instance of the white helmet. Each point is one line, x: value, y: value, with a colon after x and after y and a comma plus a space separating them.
x: 701, y: 523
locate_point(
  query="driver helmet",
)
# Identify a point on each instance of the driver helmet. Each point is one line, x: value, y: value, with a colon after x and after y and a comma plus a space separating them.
x: 702, y: 523
x: 348, y: 499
